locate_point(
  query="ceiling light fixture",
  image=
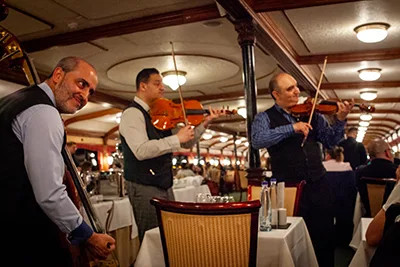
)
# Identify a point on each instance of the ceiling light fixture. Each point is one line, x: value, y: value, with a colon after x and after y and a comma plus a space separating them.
x: 365, y: 117
x: 173, y: 80
x: 364, y: 123
x: 223, y: 139
x: 369, y: 94
x: 372, y: 32
x: 370, y: 74
x: 362, y: 129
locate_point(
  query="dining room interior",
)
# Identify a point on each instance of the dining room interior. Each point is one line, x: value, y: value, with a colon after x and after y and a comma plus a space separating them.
x: 218, y: 55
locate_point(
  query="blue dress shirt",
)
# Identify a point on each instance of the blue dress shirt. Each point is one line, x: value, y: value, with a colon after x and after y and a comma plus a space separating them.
x: 41, y: 131
x: 264, y: 137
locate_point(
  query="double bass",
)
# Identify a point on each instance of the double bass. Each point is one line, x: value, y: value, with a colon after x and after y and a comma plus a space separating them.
x: 12, y: 51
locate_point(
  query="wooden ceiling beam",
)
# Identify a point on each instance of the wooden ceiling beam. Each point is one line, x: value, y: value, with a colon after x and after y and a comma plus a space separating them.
x: 268, y: 39
x: 110, y: 133
x: 351, y: 120
x: 369, y: 55
x: 359, y: 85
x: 92, y: 115
x: 276, y: 5
x: 113, y: 101
x: 152, y: 22
x: 380, y: 111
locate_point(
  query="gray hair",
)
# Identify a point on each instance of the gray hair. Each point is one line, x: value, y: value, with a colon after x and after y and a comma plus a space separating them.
x: 376, y: 147
x: 273, y: 84
x: 68, y: 64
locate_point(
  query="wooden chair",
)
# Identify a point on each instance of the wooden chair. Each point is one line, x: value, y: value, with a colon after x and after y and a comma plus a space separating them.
x: 378, y: 189
x: 208, y: 234
x: 292, y: 196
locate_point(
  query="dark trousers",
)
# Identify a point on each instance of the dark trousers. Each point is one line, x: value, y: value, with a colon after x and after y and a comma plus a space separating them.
x: 144, y: 212
x: 317, y: 209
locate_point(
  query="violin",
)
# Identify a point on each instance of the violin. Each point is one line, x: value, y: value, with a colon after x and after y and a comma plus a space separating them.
x: 324, y: 107
x: 165, y: 114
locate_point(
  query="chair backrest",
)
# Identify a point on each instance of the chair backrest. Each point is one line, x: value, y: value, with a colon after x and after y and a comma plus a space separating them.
x: 208, y: 234
x: 376, y: 189
x: 243, y: 180
x: 215, y: 175
x: 230, y: 176
x: 291, y: 200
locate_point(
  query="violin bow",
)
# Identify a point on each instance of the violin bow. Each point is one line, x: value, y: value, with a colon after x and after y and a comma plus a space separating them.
x: 316, y: 97
x: 179, y: 85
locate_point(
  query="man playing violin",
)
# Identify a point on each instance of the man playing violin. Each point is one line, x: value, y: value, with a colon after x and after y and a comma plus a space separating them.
x: 283, y: 134
x: 148, y: 151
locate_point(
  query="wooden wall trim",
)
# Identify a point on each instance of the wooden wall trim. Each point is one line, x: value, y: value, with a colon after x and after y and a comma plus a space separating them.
x: 370, y: 55
x: 276, y: 5
x: 359, y: 85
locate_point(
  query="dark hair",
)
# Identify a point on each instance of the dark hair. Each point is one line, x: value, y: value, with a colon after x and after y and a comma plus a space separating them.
x: 273, y: 84
x: 68, y: 64
x: 336, y: 153
x: 144, y: 75
x: 351, y: 130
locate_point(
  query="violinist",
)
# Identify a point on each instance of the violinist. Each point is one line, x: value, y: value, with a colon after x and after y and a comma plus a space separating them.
x: 148, y: 151
x: 282, y: 134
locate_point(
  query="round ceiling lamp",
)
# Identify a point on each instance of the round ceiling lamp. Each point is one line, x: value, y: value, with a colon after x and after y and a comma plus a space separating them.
x: 365, y: 117
x: 362, y: 129
x: 364, y: 123
x: 370, y: 74
x: 372, y: 32
x: 369, y: 95
x: 223, y: 139
x: 173, y: 79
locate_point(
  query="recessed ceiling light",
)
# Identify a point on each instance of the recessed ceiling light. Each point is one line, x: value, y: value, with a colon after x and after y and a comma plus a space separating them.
x: 372, y: 32
x: 369, y: 95
x: 369, y: 74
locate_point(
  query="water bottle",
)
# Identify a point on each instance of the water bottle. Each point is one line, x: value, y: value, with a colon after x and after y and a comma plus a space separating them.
x: 274, y: 201
x: 265, y: 210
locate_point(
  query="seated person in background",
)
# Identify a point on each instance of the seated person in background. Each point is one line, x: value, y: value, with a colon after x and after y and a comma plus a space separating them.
x: 381, y: 166
x: 334, y: 160
x: 184, y: 172
x: 375, y: 229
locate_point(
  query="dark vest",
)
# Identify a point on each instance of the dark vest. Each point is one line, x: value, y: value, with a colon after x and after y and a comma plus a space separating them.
x: 291, y: 162
x: 22, y: 213
x: 155, y: 171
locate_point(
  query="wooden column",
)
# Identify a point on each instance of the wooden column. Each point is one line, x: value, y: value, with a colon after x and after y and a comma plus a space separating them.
x: 246, y: 39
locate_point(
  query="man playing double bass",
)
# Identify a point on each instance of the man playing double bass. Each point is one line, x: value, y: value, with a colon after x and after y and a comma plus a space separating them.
x: 282, y: 134
x: 148, y: 151
x: 35, y: 203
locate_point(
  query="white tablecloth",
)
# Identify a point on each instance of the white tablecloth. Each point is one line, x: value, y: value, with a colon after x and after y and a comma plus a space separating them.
x: 283, y: 248
x: 122, y: 217
x: 364, y: 253
x: 188, y: 193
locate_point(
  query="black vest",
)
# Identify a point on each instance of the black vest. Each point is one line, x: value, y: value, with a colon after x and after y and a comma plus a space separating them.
x: 155, y: 171
x: 22, y: 213
x: 291, y: 162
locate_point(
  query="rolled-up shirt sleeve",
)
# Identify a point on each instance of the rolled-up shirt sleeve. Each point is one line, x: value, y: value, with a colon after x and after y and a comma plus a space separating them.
x: 40, y: 130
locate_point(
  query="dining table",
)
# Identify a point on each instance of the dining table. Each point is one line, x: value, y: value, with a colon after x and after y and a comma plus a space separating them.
x: 290, y: 247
